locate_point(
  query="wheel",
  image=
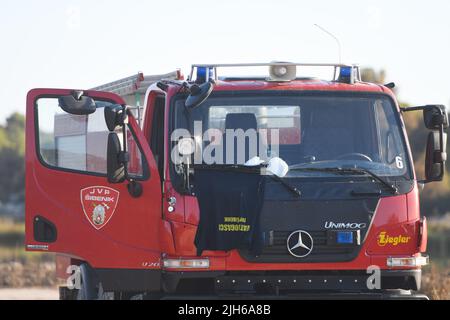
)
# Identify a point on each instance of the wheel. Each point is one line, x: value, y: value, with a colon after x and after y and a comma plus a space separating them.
x: 90, y: 286
x: 101, y: 295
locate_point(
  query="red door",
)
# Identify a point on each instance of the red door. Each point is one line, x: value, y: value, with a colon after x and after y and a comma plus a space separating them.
x: 70, y: 206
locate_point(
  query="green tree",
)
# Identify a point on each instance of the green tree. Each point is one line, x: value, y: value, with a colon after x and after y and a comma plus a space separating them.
x: 12, y: 162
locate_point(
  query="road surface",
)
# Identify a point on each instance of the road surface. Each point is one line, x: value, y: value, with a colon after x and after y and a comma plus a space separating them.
x: 29, y: 294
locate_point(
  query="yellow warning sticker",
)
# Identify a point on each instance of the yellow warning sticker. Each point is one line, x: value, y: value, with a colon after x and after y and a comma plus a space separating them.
x: 234, y: 224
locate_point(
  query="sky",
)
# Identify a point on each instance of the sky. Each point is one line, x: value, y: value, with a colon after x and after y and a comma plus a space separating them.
x: 81, y: 44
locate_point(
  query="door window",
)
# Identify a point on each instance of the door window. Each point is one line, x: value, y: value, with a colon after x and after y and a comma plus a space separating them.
x: 79, y: 143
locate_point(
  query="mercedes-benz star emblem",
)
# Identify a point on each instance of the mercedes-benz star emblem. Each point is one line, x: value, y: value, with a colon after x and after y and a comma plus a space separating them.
x: 300, y: 244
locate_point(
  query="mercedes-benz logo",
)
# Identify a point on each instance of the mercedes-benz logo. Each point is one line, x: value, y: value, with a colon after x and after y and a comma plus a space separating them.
x: 300, y: 244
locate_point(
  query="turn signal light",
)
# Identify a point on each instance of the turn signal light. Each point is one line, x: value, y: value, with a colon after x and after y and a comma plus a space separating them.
x: 186, y: 263
x: 408, y: 262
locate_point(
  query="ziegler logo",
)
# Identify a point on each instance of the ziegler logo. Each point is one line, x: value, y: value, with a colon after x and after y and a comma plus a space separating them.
x: 385, y: 239
x: 99, y: 205
x: 332, y: 225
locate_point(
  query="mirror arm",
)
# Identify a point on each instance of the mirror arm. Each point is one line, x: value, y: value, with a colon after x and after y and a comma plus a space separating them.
x: 134, y: 187
x: 421, y: 184
x: 124, y: 156
x: 420, y: 108
x: 409, y: 109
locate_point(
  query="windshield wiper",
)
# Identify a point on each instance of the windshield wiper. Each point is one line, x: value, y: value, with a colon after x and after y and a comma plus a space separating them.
x: 291, y: 188
x: 351, y: 171
x: 254, y: 170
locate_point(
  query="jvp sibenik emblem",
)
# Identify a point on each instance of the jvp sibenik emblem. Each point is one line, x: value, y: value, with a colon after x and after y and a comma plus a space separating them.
x: 99, y: 205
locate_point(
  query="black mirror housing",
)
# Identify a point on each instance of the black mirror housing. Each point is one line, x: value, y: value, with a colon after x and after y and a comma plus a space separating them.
x: 199, y: 93
x: 114, y: 116
x: 436, y: 119
x: 115, y: 165
x: 77, y: 104
x: 435, y: 116
x: 436, y: 156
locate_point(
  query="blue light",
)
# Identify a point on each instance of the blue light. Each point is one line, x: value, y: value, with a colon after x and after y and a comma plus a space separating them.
x: 204, y: 74
x: 344, y: 237
x: 345, y: 72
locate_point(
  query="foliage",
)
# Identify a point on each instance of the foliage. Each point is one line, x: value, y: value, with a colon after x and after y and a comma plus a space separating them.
x: 12, y: 163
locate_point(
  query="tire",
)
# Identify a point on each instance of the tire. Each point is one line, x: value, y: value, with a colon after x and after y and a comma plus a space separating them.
x: 101, y: 295
x: 90, y: 287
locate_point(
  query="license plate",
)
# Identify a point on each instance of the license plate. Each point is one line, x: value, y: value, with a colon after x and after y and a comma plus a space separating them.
x: 345, y: 237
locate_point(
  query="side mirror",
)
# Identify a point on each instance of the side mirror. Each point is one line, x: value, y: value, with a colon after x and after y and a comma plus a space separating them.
x: 116, y: 157
x: 199, y: 93
x: 436, y: 155
x: 435, y: 116
x: 114, y: 116
x: 115, y: 160
x: 77, y: 104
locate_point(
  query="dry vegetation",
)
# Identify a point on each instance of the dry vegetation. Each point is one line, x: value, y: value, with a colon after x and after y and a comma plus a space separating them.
x: 31, y: 274
x: 436, y: 283
x: 18, y: 268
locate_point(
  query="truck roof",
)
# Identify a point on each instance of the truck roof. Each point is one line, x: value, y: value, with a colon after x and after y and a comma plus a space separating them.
x: 283, y: 76
x: 299, y: 84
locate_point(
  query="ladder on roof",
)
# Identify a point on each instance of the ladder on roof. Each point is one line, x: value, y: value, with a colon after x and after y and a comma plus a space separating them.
x: 135, y: 86
x: 136, y: 83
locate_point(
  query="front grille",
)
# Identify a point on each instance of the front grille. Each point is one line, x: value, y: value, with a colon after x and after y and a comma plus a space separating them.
x: 325, y: 249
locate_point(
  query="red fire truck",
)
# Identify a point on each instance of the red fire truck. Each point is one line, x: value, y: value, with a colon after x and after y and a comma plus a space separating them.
x: 104, y: 192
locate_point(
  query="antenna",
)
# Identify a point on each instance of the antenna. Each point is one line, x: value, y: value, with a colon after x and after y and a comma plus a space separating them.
x: 334, y: 37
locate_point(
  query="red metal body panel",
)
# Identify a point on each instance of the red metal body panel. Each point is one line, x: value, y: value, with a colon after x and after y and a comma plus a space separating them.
x: 143, y: 229
x: 129, y: 240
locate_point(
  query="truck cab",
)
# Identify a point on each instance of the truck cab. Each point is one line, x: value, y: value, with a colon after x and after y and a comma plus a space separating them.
x: 132, y: 206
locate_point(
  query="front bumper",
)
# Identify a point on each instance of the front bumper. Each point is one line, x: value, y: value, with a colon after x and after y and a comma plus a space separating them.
x: 288, y: 282
x: 386, y: 295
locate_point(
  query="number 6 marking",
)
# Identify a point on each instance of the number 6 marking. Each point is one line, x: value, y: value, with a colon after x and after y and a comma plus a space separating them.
x: 399, y: 162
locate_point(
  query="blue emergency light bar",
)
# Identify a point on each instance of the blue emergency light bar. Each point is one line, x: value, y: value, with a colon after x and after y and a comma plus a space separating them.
x: 342, y: 72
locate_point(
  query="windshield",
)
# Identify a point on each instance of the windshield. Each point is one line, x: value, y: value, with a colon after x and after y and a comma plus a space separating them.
x: 313, y: 131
